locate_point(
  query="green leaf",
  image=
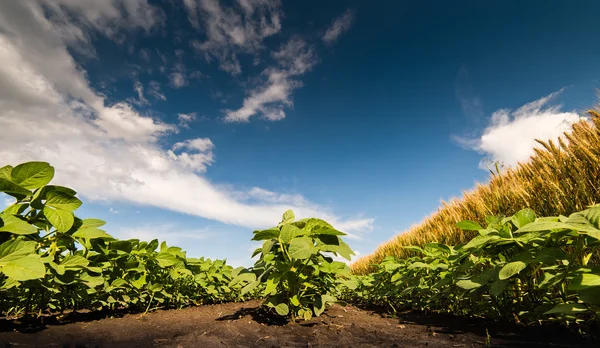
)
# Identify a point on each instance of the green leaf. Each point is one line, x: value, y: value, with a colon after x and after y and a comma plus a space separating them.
x: 5, y: 172
x: 568, y: 308
x: 13, y: 189
x: 266, y: 234
x: 91, y: 223
x: 15, y: 225
x: 524, y: 217
x: 271, y: 285
x: 288, y: 232
x: 267, y: 246
x: 251, y: 286
x: 74, y: 262
x: 319, y: 306
x: 62, y: 220
x: 61, y: 200
x: 16, y: 249
x: 469, y: 225
x: 510, y: 269
x: 294, y: 300
x: 282, y: 309
x: 91, y: 233
x: 590, y: 296
x: 584, y: 281
x: 15, y: 209
x: 544, y: 226
x: 498, y: 287
x: 467, y: 284
x: 165, y: 259
x: 480, y: 241
x: 25, y: 268
x: 32, y: 175
x: 288, y: 217
x: 302, y: 248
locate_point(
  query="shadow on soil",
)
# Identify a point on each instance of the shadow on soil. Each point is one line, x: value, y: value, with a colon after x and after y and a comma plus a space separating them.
x: 510, y: 334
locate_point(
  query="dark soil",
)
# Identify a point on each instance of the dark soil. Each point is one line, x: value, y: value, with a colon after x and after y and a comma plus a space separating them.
x: 245, y: 325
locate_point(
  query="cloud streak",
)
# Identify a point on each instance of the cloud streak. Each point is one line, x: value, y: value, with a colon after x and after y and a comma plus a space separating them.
x: 274, y: 94
x: 339, y: 26
x: 234, y: 30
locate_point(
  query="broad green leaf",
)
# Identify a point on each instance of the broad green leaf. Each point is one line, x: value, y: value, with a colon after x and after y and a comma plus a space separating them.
x: 32, y: 175
x: 584, y: 281
x: 282, y: 309
x: 16, y: 249
x: 266, y: 234
x: 25, y: 268
x: 498, y: 287
x: 267, y: 246
x: 319, y: 305
x: 480, y: 241
x: 294, y: 300
x: 61, y: 200
x: 302, y: 248
x: 467, y: 284
x: 13, y: 189
x: 251, y: 286
x: 15, y: 209
x: 288, y: 232
x: 165, y: 259
x: 469, y: 225
x: 288, y: 217
x: 14, y: 225
x: 155, y: 287
x: 5, y: 172
x: 568, y: 308
x: 91, y: 223
x: 544, y: 226
x: 590, y: 296
x: 510, y: 269
x: 243, y: 278
x: 271, y: 285
x: 524, y: 217
x: 62, y: 220
x: 74, y: 262
x: 91, y: 233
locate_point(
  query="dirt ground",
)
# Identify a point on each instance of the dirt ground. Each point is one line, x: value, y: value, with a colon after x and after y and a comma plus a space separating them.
x: 244, y: 325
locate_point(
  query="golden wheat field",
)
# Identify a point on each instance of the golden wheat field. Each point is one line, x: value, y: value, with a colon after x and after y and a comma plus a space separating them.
x: 559, y: 179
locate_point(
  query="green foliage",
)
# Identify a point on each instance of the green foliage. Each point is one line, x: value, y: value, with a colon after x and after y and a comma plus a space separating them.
x: 50, y: 260
x: 532, y: 269
x: 295, y: 273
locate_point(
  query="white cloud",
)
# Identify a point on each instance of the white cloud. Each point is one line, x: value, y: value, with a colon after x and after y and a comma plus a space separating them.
x: 139, y: 89
x: 155, y: 92
x: 186, y: 119
x: 109, y: 152
x: 233, y: 30
x: 177, y: 79
x: 339, y: 26
x: 271, y: 97
x: 510, y: 135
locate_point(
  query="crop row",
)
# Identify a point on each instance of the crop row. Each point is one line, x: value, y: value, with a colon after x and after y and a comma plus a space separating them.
x: 52, y: 261
x: 518, y: 268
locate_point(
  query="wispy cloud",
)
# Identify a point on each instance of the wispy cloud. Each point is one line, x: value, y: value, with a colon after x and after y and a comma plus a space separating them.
x: 186, y: 119
x: 113, y: 152
x: 230, y: 31
x: 510, y: 135
x: 339, y: 26
x: 273, y: 95
x: 470, y: 102
x: 155, y: 92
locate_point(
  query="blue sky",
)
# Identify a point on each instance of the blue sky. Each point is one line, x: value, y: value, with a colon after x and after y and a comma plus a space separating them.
x: 198, y: 121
